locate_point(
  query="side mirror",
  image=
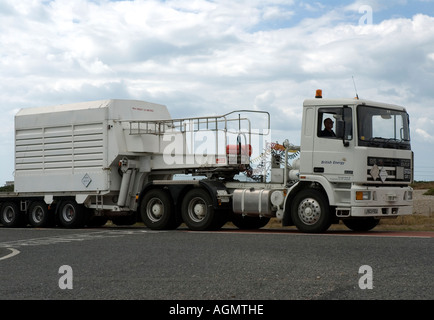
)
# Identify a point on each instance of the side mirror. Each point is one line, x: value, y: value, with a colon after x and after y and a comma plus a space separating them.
x: 340, y: 129
x: 340, y: 132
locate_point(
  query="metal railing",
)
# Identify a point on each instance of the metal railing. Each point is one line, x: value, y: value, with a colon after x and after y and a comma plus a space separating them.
x: 222, y: 123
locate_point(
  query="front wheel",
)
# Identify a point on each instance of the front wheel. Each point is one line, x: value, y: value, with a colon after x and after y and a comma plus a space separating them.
x: 310, y: 211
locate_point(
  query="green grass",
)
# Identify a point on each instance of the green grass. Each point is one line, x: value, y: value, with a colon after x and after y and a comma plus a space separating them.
x: 418, y: 185
x: 7, y: 189
x: 430, y: 192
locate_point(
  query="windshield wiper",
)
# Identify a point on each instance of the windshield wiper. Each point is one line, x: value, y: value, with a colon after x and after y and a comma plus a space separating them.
x: 404, y: 143
x: 376, y: 140
x: 391, y: 142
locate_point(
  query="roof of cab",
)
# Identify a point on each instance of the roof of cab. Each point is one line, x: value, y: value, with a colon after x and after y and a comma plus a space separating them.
x: 346, y: 101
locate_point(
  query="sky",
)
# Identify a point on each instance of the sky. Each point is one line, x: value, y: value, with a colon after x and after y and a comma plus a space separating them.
x: 203, y: 57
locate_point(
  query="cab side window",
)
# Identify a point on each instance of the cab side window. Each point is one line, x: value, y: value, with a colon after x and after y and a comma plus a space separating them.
x: 333, y: 121
x: 326, y: 123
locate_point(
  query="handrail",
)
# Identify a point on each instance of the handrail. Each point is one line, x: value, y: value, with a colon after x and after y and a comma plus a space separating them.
x: 232, y: 123
x: 159, y: 126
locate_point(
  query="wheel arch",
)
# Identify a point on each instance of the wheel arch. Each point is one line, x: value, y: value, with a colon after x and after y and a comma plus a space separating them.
x: 212, y: 187
x: 294, y: 190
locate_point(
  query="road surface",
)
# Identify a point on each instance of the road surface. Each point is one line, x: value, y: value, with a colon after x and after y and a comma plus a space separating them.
x: 138, y: 263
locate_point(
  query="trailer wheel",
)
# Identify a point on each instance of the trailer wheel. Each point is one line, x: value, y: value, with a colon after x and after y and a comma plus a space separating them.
x: 11, y: 216
x: 248, y: 222
x: 361, y: 224
x: 198, y: 212
x: 39, y: 215
x: 310, y: 211
x: 156, y: 210
x: 71, y: 214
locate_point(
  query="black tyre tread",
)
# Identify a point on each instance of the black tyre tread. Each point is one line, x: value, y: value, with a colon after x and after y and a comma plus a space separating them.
x: 168, y: 221
x: 325, y: 220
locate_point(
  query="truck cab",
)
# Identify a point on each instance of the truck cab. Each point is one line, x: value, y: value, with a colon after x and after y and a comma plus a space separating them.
x: 364, y: 165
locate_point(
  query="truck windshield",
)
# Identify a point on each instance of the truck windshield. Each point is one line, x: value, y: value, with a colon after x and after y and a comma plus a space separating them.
x: 383, y: 128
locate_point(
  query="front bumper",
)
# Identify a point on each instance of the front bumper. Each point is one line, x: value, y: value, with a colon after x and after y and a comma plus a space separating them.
x: 380, y: 212
x: 378, y: 202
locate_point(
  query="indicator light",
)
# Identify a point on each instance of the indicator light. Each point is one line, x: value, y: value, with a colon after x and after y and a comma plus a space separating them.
x: 363, y: 195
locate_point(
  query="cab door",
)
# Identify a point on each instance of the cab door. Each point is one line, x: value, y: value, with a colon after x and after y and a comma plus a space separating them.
x: 333, y: 144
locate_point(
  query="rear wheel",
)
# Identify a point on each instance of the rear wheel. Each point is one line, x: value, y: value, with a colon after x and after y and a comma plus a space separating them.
x: 156, y: 210
x: 71, y: 214
x: 11, y: 216
x: 198, y: 211
x: 310, y: 211
x: 39, y: 215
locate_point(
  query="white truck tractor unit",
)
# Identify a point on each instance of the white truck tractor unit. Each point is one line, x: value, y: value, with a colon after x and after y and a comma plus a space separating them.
x: 83, y: 164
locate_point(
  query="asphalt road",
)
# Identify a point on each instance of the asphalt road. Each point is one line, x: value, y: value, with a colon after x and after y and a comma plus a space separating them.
x: 137, y: 263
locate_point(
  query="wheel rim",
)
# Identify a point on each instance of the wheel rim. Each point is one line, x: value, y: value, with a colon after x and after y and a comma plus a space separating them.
x: 197, y: 209
x: 155, y: 209
x: 37, y: 214
x: 309, y: 211
x: 68, y: 213
x: 8, y: 214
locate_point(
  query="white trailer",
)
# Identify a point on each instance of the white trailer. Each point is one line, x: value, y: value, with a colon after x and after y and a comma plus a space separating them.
x: 81, y: 164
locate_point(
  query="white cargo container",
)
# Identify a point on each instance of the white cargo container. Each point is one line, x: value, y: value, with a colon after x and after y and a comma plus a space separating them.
x: 71, y: 148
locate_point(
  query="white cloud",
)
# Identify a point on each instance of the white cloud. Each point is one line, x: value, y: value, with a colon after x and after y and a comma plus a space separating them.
x: 207, y: 57
x: 424, y: 126
x: 425, y: 135
x: 376, y: 5
x: 265, y: 100
x: 276, y: 13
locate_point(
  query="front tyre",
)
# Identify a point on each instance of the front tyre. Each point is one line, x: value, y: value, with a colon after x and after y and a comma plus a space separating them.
x: 310, y: 211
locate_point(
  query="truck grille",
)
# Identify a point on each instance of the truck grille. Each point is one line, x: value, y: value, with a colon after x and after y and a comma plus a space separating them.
x: 388, y: 169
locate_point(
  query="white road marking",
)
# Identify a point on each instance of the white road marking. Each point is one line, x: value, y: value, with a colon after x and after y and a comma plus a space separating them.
x: 71, y: 238
x: 11, y: 245
x: 10, y: 255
